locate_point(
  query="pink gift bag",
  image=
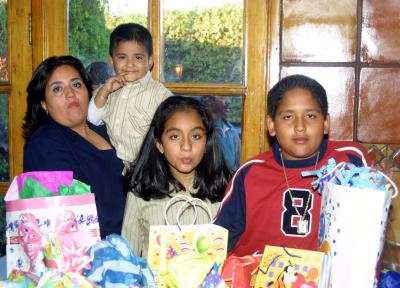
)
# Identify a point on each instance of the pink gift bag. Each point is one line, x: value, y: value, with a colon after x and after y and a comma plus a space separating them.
x: 52, y: 232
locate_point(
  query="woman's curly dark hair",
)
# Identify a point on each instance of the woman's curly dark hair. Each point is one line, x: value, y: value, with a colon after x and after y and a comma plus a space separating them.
x: 35, y: 114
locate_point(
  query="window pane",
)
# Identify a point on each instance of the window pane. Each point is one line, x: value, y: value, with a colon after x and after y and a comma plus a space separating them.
x: 227, y: 114
x: 4, y: 163
x: 89, y: 32
x: 3, y: 42
x: 203, y: 41
x: 2, y: 229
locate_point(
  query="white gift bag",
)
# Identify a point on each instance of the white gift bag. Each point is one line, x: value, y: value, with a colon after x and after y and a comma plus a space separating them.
x: 352, y: 228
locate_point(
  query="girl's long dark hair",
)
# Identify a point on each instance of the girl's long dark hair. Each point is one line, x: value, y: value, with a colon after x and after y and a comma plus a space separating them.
x: 150, y: 176
x: 35, y: 115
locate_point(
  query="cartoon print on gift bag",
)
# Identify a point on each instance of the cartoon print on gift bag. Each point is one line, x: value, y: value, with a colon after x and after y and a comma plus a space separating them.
x: 282, y: 267
x: 65, y: 247
x: 30, y: 238
x: 289, y: 277
x: 62, y: 248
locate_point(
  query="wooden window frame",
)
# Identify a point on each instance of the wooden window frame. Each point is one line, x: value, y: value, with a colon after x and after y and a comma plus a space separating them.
x: 49, y: 36
x: 19, y: 71
x: 256, y: 71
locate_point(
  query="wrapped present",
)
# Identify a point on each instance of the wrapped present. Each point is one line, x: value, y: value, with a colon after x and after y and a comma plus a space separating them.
x: 51, y: 231
x: 389, y: 279
x: 115, y: 265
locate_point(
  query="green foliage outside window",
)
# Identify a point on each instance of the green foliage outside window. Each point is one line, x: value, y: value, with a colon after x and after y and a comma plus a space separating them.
x: 88, y: 33
x: 4, y: 165
x: 215, y: 36
x: 208, y: 43
x: 114, y: 21
x: 90, y: 26
x: 3, y: 42
x: 3, y: 27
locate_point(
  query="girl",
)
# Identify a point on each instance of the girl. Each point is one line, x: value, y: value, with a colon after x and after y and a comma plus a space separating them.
x: 180, y: 154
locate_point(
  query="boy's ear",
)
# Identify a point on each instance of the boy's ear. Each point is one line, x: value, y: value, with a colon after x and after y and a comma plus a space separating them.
x: 159, y: 147
x: 271, y: 126
x: 110, y: 60
x: 151, y: 62
x: 327, y: 124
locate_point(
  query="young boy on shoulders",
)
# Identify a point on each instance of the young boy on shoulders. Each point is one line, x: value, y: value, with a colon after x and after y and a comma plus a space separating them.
x: 127, y: 101
x: 268, y: 202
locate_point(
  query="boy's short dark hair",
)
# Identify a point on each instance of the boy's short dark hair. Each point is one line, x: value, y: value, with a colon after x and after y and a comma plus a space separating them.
x: 275, y: 95
x: 131, y: 32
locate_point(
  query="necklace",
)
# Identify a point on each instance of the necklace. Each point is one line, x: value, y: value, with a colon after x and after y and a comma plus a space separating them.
x: 302, y: 224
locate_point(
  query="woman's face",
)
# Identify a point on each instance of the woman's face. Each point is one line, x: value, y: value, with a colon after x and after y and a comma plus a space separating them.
x: 66, y: 97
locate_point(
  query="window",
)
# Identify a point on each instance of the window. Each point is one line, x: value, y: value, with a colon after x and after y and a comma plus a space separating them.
x: 4, y: 160
x: 89, y: 33
x: 13, y: 83
x: 198, y: 46
x: 3, y: 43
x: 203, y: 41
x: 4, y: 150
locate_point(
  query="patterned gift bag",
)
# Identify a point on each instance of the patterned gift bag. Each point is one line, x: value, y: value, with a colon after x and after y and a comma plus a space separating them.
x: 241, y: 271
x: 352, y: 229
x: 183, y: 255
x: 296, y: 268
x: 49, y: 232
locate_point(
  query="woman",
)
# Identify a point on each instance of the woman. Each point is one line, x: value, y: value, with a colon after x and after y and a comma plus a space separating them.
x: 59, y: 137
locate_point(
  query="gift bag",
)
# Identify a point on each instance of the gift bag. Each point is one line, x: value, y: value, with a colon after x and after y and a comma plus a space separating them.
x: 295, y: 268
x: 352, y: 226
x: 241, y: 271
x: 49, y: 232
x: 183, y: 255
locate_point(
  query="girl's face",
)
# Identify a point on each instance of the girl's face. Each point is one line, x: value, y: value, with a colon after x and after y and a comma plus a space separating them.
x: 66, y: 97
x: 299, y: 125
x: 183, y: 142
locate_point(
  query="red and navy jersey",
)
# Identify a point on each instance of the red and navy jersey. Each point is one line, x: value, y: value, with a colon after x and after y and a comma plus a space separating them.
x: 258, y: 209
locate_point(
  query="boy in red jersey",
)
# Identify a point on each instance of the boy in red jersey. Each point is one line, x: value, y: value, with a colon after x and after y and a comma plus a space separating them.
x: 267, y: 201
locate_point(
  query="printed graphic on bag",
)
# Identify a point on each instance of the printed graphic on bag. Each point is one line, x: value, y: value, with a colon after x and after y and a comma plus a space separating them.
x: 182, y: 256
x: 42, y: 233
x: 241, y: 271
x: 287, y: 267
x: 345, y: 219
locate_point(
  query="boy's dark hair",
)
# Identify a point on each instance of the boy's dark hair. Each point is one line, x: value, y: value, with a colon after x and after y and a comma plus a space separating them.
x: 277, y: 92
x: 131, y: 32
x: 150, y: 176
